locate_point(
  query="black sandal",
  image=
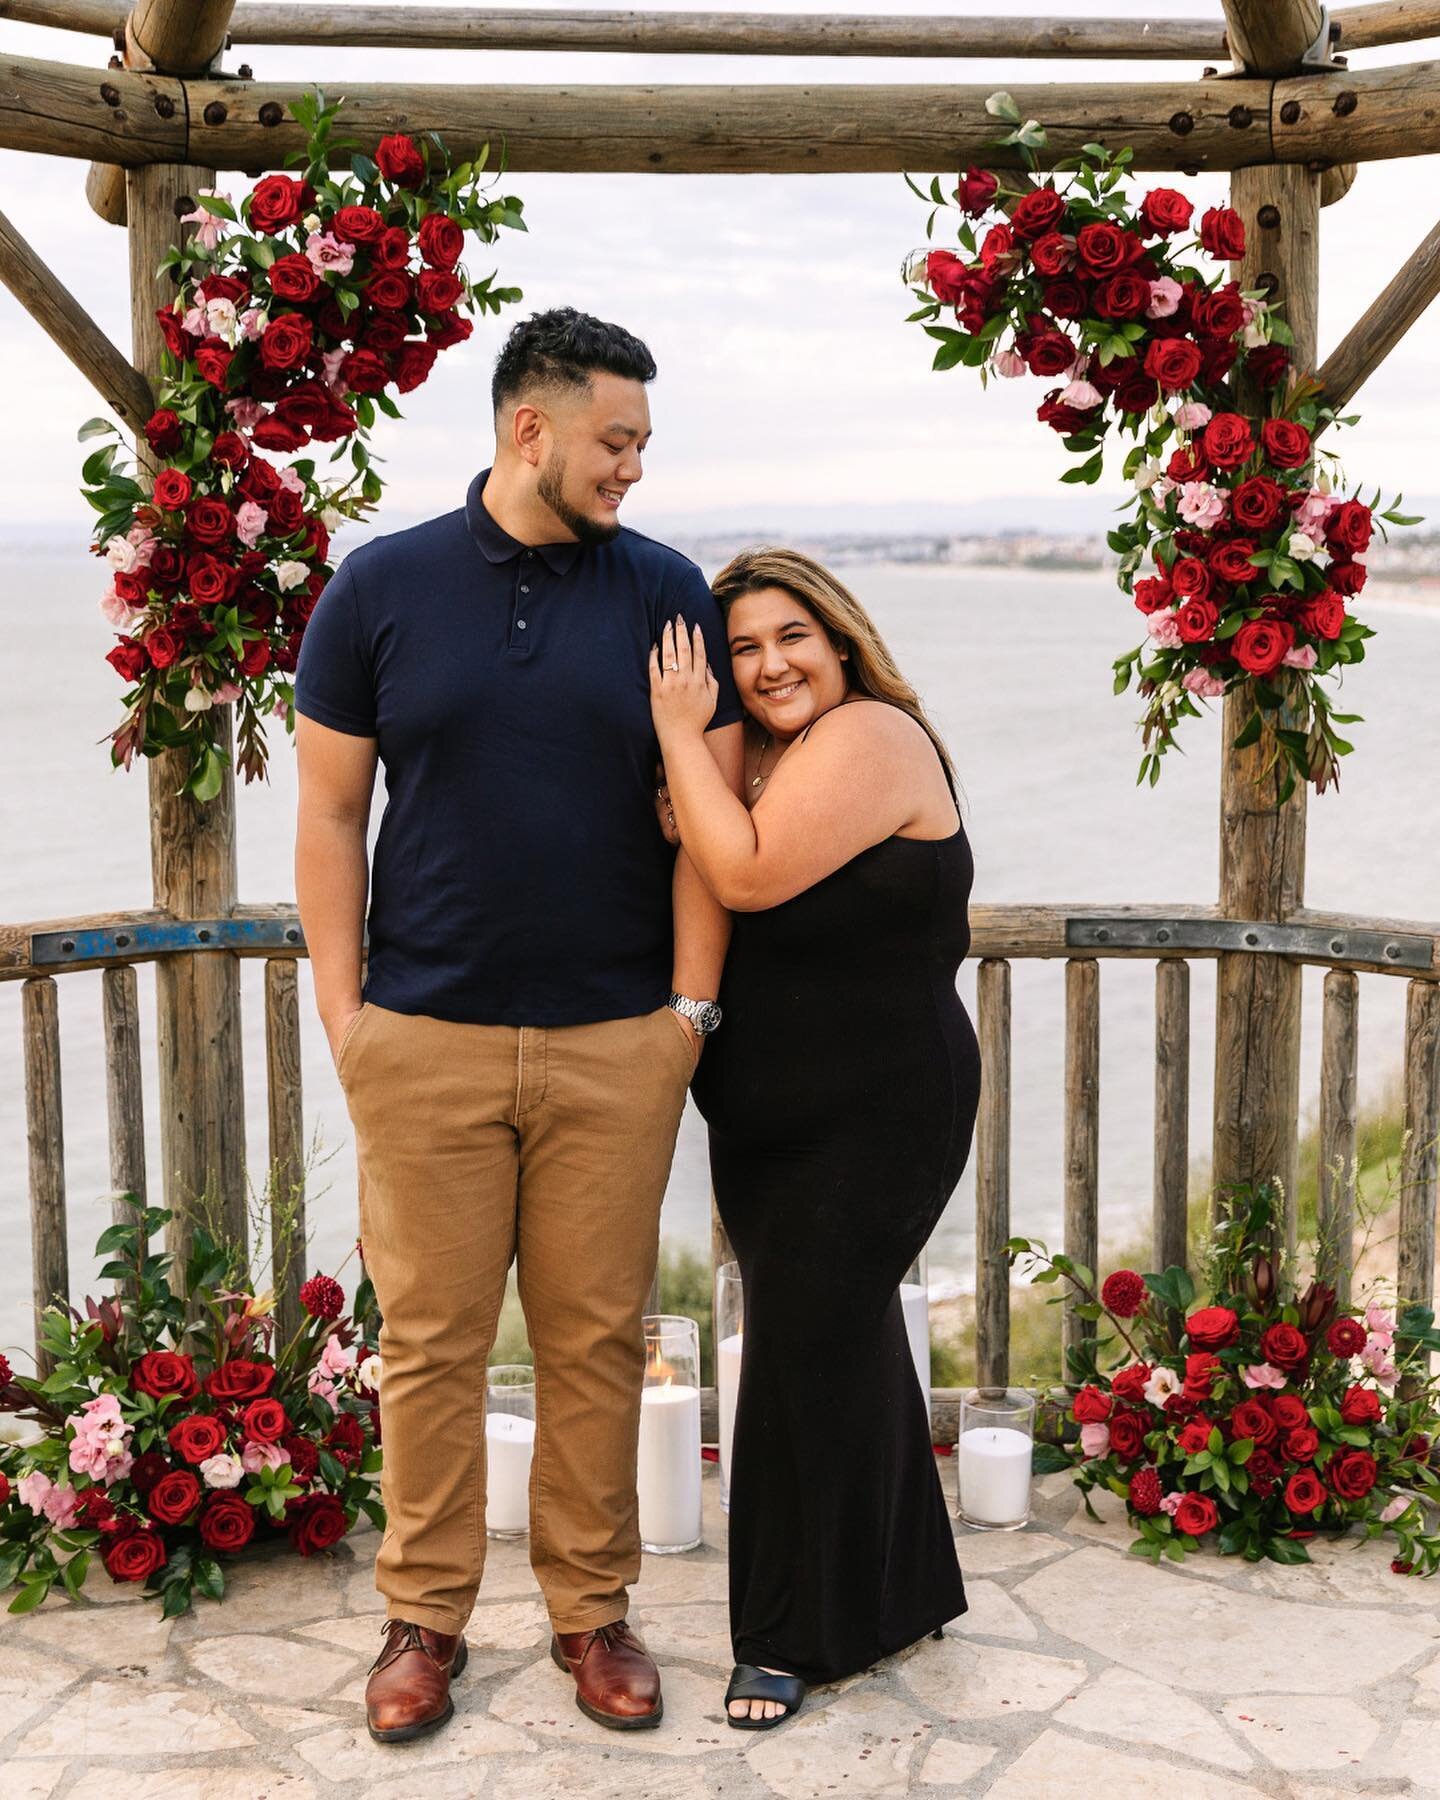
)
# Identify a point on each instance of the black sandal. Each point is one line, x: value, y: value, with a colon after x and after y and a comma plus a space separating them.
x: 750, y: 1683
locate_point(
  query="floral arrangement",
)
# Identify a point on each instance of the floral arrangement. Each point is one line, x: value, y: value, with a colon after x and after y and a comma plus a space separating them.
x: 1256, y: 1419
x: 175, y: 1430
x: 1254, y: 551
x: 293, y: 321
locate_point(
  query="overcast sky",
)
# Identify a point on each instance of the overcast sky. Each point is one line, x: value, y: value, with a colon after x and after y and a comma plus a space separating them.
x: 789, y: 388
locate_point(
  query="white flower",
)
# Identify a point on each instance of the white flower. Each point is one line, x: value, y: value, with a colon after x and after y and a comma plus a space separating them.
x: 1146, y: 476
x: 290, y: 575
x: 367, y: 1375
x: 122, y: 555
x: 221, y: 318
x: 1302, y: 546
x: 1161, y: 1385
x: 330, y: 518
x: 197, y: 700
x: 222, y: 1471
x: 20, y: 1433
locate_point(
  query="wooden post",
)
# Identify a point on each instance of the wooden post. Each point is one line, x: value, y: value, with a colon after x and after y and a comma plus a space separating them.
x: 1335, y: 1208
x: 1172, y: 1114
x: 992, y: 1178
x: 1262, y: 842
x: 1268, y: 37
x: 45, y: 1141
x: 124, y: 1098
x: 1082, y: 1133
x: 192, y: 849
x: 1420, y: 1157
x: 287, y: 1140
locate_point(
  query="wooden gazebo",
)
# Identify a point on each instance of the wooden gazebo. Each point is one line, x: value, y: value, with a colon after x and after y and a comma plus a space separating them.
x: 1290, y: 122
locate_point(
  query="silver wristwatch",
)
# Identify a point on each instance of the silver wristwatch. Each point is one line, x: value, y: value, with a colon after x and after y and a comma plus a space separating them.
x: 704, y: 1015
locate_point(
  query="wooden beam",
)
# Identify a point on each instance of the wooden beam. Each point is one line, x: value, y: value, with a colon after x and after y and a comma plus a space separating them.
x: 56, y: 310
x: 1269, y: 37
x: 110, y: 115
x: 1336, y: 183
x: 1391, y: 22
x: 1383, y: 323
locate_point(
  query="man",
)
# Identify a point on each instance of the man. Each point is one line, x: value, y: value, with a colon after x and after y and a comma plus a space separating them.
x: 514, y: 1074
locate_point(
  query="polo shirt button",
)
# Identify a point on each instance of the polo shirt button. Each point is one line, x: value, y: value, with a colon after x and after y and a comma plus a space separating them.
x: 520, y: 623
x: 523, y: 588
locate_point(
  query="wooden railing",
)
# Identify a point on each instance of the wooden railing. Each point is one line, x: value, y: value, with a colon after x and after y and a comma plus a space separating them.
x: 1084, y: 937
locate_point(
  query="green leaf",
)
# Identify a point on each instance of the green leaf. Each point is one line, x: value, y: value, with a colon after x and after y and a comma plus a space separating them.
x: 177, y: 1599
x: 1002, y: 106
x: 95, y: 428
x: 75, y: 1571
x: 209, y: 1577
x: 1049, y: 1459
x: 32, y: 1595
x: 114, y: 1237
x: 1286, y: 1550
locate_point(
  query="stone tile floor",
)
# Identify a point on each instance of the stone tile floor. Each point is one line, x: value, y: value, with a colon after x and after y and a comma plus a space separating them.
x: 1078, y: 1668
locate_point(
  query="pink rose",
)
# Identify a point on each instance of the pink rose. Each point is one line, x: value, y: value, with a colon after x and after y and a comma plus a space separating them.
x: 1192, y: 416
x: 250, y: 523
x: 1164, y: 298
x: 1203, y: 683
x: 1303, y: 656
x: 1263, y: 1375
x: 1164, y: 630
x: 326, y: 251
x: 1095, y: 1440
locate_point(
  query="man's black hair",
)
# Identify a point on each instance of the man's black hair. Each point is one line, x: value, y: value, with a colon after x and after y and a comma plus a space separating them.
x: 565, y: 348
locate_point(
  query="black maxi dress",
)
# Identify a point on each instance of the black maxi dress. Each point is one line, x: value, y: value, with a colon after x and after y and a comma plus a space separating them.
x: 840, y: 1093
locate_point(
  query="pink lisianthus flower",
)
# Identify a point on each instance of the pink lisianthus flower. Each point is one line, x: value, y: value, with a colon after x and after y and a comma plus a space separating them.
x: 1171, y: 1503
x: 1313, y: 513
x: 1095, y: 1439
x: 143, y: 543
x: 101, y: 1445
x: 329, y: 254
x: 1394, y: 1507
x: 1081, y: 394
x: 1377, y: 1359
x: 1163, y: 629
x: 227, y: 693
x: 1262, y: 1375
x: 115, y: 612
x: 1201, y: 504
x: 251, y: 324
x: 1380, y: 1324
x: 1204, y: 684
x: 330, y: 368
x: 1192, y: 416
x: 208, y: 228
x: 1164, y: 298
x: 1302, y: 656
x: 52, y: 1500
x: 246, y: 413
x: 250, y: 523
x: 255, y: 1457
x: 1008, y: 363
x: 290, y: 478
x: 194, y: 321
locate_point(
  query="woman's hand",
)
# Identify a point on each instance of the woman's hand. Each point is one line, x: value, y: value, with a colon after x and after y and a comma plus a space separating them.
x: 683, y: 692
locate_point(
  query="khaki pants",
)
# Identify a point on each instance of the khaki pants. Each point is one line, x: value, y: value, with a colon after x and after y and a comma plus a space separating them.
x: 479, y: 1145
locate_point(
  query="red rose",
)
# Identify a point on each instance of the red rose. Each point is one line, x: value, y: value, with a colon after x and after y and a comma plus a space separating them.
x: 197, y: 1437
x: 1129, y: 1383
x: 1266, y: 364
x: 413, y: 364
x: 1361, y: 1406
x: 1283, y: 1345
x: 1251, y: 1419
x: 253, y: 660
x: 1351, y: 1473
x: 346, y: 1438
x: 1257, y: 503
x: 358, y: 224
x: 1260, y: 646
x: 227, y: 1523
x: 163, y: 646
x: 441, y: 241
x: 1302, y: 1443
x: 264, y: 1422
x: 1285, y: 443
x: 306, y: 408
x: 1218, y: 315
x: 317, y: 1523
x: 1303, y: 1492
x: 287, y: 510
x: 1163, y: 211
x: 260, y: 482
x: 177, y: 339
x: 437, y: 290
x: 945, y: 276
x: 162, y: 431
x: 1194, y: 1436
x: 452, y: 329
x: 174, y: 1497
x: 1346, y: 1337
x: 1196, y: 1514
x: 1290, y: 1411
x: 172, y: 489
x: 1048, y: 352
x: 1196, y: 621
x: 1037, y: 212
x: 1146, y: 1493
x: 1152, y: 592
x: 391, y: 250
x: 276, y: 433
x: 239, y: 1380
x: 1127, y: 1436
x: 1135, y: 394
x: 1066, y: 299
x: 1173, y: 362
x: 278, y: 201
x: 400, y: 161
x: 1263, y: 1470
x: 211, y: 583
x: 230, y: 450
x: 161, y: 1372
x: 1231, y: 560
x: 1222, y: 232
x: 1052, y: 254
x: 317, y: 540
x: 1201, y: 1369
x: 384, y: 332
x: 976, y: 191
x: 287, y: 341
x: 1122, y: 296
x: 213, y: 361
x: 997, y: 253
x: 1090, y: 1406
x: 209, y: 519
x: 1227, y: 440
x: 364, y: 372
x: 132, y: 589
x: 1349, y: 528
x: 1122, y: 1294
x: 1190, y: 579
x: 135, y: 1556
x: 1346, y: 577
x: 293, y: 278
x: 1102, y: 248
x: 1212, y: 1328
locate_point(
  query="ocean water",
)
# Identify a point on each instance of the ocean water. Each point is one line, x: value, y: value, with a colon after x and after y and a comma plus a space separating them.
x: 1015, y: 667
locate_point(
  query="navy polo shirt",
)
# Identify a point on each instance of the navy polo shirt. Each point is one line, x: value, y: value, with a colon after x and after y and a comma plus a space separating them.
x: 520, y: 875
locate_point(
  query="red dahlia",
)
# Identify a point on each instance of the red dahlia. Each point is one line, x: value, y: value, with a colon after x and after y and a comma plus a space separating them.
x: 7, y: 1374
x: 1145, y: 1493
x: 1123, y: 1293
x: 1346, y: 1337
x: 323, y: 1297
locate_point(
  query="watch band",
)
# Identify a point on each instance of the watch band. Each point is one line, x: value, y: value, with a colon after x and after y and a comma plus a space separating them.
x: 704, y: 1015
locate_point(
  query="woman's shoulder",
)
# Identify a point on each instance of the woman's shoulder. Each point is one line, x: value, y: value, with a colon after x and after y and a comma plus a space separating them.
x: 864, y: 719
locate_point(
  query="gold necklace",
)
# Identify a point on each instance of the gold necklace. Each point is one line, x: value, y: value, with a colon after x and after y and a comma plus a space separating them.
x: 760, y: 762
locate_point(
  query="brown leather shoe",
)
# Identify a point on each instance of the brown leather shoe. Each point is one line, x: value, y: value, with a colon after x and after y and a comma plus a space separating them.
x: 616, y: 1682
x: 408, y: 1693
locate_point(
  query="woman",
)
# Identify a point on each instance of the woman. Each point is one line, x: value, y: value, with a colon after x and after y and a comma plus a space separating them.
x: 840, y: 1092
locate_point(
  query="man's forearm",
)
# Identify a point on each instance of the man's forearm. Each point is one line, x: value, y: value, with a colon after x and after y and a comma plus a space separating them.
x: 702, y: 934
x: 331, y: 882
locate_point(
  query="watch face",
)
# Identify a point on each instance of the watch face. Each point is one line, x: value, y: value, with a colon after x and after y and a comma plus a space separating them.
x: 707, y: 1018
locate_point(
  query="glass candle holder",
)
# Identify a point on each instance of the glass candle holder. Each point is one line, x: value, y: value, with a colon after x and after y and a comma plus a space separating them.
x: 915, y: 1303
x: 509, y: 1446
x: 668, y: 1471
x: 992, y: 1457
x: 729, y: 1342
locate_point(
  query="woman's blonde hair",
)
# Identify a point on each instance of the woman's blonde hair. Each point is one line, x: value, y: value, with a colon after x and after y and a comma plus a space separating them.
x: 872, y: 669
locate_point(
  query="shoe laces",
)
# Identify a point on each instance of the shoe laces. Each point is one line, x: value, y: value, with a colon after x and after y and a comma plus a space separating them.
x: 400, y: 1635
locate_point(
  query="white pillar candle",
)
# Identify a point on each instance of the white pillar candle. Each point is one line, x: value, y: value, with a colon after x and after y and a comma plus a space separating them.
x: 509, y: 1444
x: 994, y: 1474
x: 727, y: 1380
x: 915, y: 1302
x: 668, y: 1469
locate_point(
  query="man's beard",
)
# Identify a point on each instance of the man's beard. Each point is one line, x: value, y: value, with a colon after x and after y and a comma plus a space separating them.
x: 589, y: 531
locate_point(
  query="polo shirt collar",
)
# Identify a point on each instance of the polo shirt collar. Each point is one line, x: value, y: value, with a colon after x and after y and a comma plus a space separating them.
x: 497, y: 545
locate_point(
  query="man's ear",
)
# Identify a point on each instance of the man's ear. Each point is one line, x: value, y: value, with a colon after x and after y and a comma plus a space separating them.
x: 527, y: 432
